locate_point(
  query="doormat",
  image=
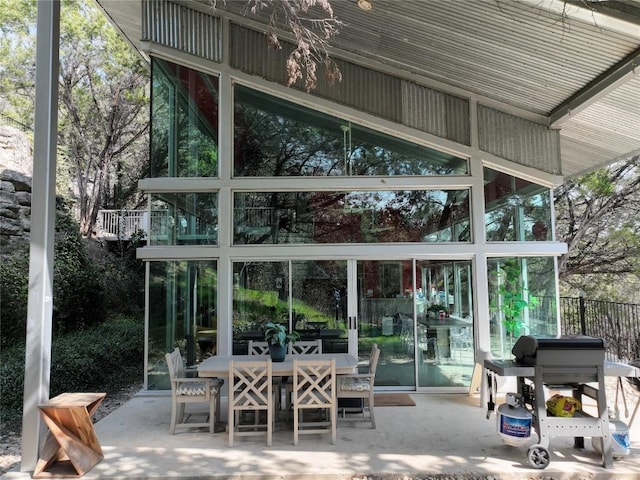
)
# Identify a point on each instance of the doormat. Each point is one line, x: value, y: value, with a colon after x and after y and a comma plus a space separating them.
x: 393, y: 400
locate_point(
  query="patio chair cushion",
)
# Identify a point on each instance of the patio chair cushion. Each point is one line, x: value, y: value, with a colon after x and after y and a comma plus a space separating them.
x: 354, y: 384
x: 198, y: 388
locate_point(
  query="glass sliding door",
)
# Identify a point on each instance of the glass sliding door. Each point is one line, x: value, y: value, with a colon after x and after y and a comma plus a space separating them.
x: 444, y: 326
x: 385, y: 311
x: 418, y: 312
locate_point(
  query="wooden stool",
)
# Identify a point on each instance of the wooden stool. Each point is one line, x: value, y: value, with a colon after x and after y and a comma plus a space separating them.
x: 71, y: 448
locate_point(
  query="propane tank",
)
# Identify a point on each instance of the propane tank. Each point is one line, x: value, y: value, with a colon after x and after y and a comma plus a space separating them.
x: 514, y: 421
x: 620, y: 442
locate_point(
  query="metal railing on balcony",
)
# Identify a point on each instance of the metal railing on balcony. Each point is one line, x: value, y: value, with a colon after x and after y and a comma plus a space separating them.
x: 121, y: 224
x: 158, y: 224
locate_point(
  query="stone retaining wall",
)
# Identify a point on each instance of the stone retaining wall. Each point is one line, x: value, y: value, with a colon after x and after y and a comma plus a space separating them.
x: 16, y: 167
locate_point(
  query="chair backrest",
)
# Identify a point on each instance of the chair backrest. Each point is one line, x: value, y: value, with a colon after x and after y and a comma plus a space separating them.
x: 305, y: 347
x: 314, y: 382
x: 175, y: 365
x: 373, y: 359
x: 250, y: 384
x: 258, y: 348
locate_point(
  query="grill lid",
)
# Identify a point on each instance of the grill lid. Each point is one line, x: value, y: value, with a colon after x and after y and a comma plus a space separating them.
x: 527, y: 347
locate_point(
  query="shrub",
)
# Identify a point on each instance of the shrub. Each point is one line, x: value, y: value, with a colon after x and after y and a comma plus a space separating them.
x: 77, y: 285
x: 14, y: 277
x: 103, y: 358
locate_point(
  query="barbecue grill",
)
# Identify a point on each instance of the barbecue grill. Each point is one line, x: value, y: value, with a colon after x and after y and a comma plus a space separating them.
x: 573, y: 363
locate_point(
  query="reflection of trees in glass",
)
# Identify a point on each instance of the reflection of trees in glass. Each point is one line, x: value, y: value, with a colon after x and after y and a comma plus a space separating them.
x: 260, y: 295
x: 516, y: 210
x: 267, y: 144
x: 350, y: 217
x: 274, y: 137
x: 185, y: 112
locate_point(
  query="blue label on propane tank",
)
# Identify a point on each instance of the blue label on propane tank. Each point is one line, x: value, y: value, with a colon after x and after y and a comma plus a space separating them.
x: 515, y: 427
x: 622, y: 439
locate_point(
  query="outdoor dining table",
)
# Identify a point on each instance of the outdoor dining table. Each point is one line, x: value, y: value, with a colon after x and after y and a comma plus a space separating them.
x: 218, y: 365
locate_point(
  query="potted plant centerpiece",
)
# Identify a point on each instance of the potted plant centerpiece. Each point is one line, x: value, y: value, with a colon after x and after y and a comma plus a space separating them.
x: 275, y: 334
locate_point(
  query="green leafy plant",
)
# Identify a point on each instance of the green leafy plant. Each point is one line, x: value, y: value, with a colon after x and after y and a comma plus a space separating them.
x: 513, y: 299
x: 276, y: 334
x: 437, y: 308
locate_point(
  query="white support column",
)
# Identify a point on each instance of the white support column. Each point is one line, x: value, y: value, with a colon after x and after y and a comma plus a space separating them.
x: 40, y: 301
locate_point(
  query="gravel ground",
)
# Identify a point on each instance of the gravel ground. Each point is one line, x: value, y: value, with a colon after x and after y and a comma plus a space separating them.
x: 10, y: 442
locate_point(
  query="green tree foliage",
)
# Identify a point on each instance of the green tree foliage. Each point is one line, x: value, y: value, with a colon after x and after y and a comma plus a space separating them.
x: 513, y: 298
x: 597, y: 216
x: 14, y: 274
x: 77, y: 284
x: 103, y: 116
x: 89, y: 284
x: 17, y: 59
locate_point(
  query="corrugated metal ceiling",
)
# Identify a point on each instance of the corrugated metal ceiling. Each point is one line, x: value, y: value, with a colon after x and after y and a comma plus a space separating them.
x: 528, y: 57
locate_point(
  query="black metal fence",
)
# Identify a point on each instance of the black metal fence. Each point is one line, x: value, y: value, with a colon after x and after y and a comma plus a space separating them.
x: 5, y: 120
x: 617, y: 323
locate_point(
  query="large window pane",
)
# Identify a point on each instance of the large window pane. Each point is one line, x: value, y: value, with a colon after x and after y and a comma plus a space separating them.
x: 522, y: 295
x: 275, y: 138
x: 184, y: 219
x: 260, y: 295
x: 184, y: 130
x: 316, y: 308
x: 516, y: 210
x: 351, y: 217
x: 319, y: 302
x: 182, y: 313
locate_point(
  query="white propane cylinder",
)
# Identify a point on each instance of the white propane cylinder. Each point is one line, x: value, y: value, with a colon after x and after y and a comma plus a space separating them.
x: 620, y: 441
x: 514, y: 422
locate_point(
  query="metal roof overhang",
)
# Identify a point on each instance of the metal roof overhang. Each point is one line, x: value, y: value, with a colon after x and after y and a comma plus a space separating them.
x: 571, y: 65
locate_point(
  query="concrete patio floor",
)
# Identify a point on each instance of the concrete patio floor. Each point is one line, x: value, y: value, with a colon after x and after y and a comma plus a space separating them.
x: 443, y: 436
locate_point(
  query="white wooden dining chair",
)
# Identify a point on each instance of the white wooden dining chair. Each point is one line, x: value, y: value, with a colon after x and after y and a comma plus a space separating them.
x: 250, y: 390
x: 361, y: 385
x: 262, y: 348
x: 301, y: 347
x: 314, y: 387
x: 258, y: 348
x: 186, y: 390
x: 305, y: 347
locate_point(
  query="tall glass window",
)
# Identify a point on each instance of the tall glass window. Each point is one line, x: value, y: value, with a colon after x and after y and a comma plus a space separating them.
x: 184, y: 129
x: 184, y: 219
x: 260, y: 295
x: 522, y: 296
x: 276, y: 138
x: 308, y: 296
x: 182, y: 313
x: 516, y: 210
x: 351, y: 217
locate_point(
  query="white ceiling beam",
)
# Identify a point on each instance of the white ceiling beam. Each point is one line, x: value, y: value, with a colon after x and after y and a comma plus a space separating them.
x: 598, y: 88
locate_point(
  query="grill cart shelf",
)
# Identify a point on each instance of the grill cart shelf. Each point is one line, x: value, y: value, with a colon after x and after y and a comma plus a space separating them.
x: 570, y: 363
